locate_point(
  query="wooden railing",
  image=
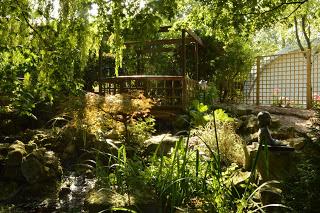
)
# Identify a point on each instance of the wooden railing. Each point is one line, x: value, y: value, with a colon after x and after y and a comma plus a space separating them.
x: 166, y: 91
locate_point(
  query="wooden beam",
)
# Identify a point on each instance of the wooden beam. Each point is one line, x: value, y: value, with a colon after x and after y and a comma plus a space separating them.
x: 158, y: 50
x: 144, y: 77
x: 195, y: 37
x: 164, y: 29
x: 159, y: 42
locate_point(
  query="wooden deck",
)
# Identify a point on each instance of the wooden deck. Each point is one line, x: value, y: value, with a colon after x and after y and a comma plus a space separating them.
x: 168, y: 92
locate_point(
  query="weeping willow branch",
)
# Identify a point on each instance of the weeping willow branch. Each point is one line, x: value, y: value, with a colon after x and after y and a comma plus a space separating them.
x: 24, y: 15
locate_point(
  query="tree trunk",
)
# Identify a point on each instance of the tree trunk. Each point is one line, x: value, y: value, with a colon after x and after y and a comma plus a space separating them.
x: 305, y: 34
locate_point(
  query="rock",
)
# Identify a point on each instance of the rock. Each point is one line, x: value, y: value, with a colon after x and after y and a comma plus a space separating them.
x: 253, y: 137
x: 250, y: 124
x: 105, y: 199
x: 32, y: 169
x: 30, y: 146
x: 241, y: 110
x: 44, y: 163
x: 12, y: 173
x: 278, y: 163
x: 39, y: 153
x: 165, y: 142
x: 297, y: 143
x: 284, y: 132
x: 275, y: 123
x: 97, y: 201
x: 16, y: 153
x: 52, y: 164
x: 8, y: 190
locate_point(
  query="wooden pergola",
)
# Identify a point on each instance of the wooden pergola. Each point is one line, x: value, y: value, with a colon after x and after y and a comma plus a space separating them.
x: 169, y: 91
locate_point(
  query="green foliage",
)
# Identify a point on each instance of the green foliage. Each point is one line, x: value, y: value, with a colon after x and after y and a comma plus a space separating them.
x: 199, y: 113
x: 141, y: 129
x: 222, y: 116
x: 300, y: 191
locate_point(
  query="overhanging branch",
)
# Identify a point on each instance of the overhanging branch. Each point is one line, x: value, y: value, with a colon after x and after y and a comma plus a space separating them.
x: 276, y: 7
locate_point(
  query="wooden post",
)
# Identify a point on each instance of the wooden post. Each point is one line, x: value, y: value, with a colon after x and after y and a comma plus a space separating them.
x: 309, y: 87
x: 184, y: 93
x: 100, y: 72
x: 184, y: 53
x: 258, y: 82
x: 184, y: 65
x: 197, y: 60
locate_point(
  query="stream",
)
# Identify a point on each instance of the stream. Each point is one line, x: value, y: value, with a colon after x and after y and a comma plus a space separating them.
x: 70, y: 198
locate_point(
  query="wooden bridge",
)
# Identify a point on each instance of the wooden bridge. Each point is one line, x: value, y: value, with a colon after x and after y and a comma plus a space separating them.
x: 170, y: 92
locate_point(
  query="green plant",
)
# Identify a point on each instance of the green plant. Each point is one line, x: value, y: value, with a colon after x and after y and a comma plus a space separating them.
x: 199, y: 113
x: 230, y: 144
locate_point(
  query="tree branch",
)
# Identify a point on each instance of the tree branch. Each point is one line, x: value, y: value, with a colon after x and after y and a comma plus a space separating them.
x: 297, y: 34
x: 276, y: 7
x: 292, y: 12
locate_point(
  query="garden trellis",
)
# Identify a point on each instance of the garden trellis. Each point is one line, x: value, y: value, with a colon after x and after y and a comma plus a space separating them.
x: 287, y: 80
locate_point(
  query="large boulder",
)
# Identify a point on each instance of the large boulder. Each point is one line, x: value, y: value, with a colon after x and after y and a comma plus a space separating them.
x: 160, y: 143
x: 277, y: 163
x: 41, y: 165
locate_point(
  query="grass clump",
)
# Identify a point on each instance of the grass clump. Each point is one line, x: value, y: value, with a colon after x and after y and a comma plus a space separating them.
x: 230, y: 143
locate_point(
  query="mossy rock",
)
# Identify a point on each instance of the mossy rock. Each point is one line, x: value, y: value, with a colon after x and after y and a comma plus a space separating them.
x: 16, y: 152
x: 107, y: 200
x: 165, y: 142
x: 101, y: 200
